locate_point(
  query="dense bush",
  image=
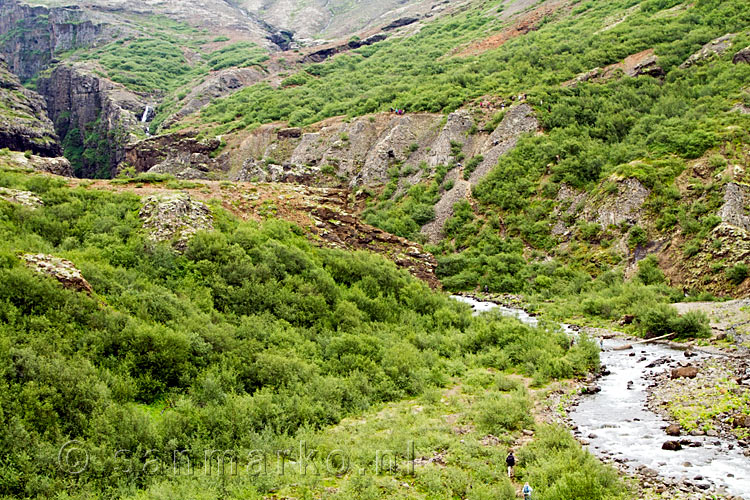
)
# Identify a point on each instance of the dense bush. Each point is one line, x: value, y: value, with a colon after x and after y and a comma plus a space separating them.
x: 737, y: 274
x: 663, y: 319
x: 498, y: 413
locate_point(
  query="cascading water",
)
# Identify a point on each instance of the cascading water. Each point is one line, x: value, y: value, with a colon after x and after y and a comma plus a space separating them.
x: 618, y: 425
x: 146, y: 114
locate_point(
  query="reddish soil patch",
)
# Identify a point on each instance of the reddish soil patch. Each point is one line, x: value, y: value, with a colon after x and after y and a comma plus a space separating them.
x: 527, y: 22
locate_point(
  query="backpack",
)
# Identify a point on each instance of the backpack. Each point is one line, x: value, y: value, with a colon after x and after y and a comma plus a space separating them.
x: 526, y: 490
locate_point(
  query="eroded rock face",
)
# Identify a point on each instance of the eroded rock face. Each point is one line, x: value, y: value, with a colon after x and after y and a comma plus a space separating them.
x: 518, y: 120
x: 175, y: 217
x: 24, y: 124
x: 36, y: 33
x: 712, y: 49
x: 181, y: 155
x: 736, y: 202
x: 93, y: 113
x: 25, y: 198
x: 62, y: 270
x: 625, y: 206
x: 607, y: 209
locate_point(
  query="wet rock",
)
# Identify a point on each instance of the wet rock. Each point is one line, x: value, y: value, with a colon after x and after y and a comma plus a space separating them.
x: 658, y: 362
x: 62, y: 270
x: 591, y: 389
x: 684, y: 372
x: 673, y: 430
x: 175, y: 217
x: 671, y: 446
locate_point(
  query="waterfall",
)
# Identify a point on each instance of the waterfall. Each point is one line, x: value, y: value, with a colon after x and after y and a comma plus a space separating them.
x: 145, y: 114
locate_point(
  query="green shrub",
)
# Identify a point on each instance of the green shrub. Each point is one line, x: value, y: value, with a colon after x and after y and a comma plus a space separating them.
x: 663, y: 319
x: 649, y: 272
x: 637, y: 237
x: 737, y: 274
x: 498, y: 413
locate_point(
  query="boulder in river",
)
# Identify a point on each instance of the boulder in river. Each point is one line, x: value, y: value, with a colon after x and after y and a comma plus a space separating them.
x: 673, y: 430
x: 671, y: 446
x: 684, y: 372
x: 591, y: 389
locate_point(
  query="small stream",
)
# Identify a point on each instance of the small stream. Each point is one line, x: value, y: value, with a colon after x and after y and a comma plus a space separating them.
x: 618, y: 426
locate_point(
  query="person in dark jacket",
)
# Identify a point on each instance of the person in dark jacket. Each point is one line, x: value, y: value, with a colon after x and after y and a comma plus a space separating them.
x: 510, y: 461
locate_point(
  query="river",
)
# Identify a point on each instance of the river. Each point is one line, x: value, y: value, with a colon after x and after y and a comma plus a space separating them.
x: 617, y: 425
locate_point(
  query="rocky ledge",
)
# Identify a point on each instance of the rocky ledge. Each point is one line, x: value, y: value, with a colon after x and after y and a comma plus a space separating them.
x: 16, y: 160
x: 25, y: 198
x: 62, y: 270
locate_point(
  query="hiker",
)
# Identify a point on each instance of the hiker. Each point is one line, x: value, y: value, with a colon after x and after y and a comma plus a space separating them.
x: 527, y: 491
x: 510, y: 461
x: 601, y: 343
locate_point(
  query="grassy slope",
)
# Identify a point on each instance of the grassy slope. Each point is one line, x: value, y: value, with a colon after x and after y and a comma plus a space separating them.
x: 249, y: 339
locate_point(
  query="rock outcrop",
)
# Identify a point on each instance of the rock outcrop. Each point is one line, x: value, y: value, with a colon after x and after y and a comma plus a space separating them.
x: 25, y: 198
x: 181, y: 155
x: 24, y: 124
x: 95, y: 117
x: 735, y: 208
x: 62, y: 270
x: 712, y: 49
x: 321, y: 54
x: 643, y: 63
x: 608, y: 208
x: 175, y: 217
x: 21, y: 161
x: 742, y: 56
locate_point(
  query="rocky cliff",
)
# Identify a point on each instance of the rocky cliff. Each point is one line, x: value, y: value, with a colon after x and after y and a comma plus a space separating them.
x: 95, y: 117
x: 24, y: 124
x: 31, y: 36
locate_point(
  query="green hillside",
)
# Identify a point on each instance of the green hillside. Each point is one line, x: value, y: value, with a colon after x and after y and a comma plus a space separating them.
x: 251, y: 339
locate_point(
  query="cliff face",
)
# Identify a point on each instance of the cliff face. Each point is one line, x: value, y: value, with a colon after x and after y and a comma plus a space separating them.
x: 24, y: 124
x: 95, y: 117
x: 32, y: 35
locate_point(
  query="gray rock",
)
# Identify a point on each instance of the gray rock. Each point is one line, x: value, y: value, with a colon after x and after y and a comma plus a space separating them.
x: 175, y: 217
